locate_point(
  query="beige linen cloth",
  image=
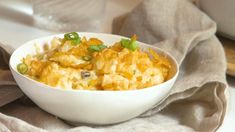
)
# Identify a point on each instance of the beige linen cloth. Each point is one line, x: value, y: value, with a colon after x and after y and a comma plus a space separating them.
x: 197, y: 101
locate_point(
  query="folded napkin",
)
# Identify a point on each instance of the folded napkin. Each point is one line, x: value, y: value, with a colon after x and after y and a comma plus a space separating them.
x: 8, y: 88
x: 197, y: 101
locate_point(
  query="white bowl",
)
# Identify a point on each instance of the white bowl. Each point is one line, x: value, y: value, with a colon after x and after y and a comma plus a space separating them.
x: 84, y: 106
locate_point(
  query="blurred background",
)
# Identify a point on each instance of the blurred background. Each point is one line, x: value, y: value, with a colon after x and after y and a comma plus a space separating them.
x: 70, y: 11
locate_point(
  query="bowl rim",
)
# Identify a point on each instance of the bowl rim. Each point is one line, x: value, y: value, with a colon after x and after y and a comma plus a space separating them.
x: 45, y: 86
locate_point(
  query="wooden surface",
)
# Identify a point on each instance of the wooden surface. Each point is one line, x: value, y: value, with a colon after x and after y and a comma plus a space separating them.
x: 229, y: 46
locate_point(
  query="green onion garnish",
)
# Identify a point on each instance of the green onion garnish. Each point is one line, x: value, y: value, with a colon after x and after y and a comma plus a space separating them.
x: 73, y: 37
x: 130, y: 44
x: 86, y: 58
x: 75, y: 42
x: 125, y: 42
x: 22, y: 68
x: 96, y: 48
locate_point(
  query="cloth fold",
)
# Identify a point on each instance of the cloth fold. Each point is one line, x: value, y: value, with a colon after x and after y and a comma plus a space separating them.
x: 197, y: 101
x: 8, y: 88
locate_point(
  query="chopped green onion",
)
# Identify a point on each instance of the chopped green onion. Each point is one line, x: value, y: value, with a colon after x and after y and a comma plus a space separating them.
x: 96, y: 48
x: 22, y: 68
x: 93, y: 48
x: 125, y: 42
x: 73, y: 37
x: 102, y: 46
x: 86, y: 58
x: 133, y: 45
x: 75, y: 42
x: 129, y: 44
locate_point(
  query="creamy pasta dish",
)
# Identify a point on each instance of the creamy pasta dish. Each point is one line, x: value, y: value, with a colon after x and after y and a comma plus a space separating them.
x: 79, y: 63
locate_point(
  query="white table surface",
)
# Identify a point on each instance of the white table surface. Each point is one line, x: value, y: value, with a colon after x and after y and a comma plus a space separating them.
x: 16, y: 28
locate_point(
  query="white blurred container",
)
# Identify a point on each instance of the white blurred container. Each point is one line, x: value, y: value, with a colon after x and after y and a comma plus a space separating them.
x: 223, y: 12
x: 69, y: 15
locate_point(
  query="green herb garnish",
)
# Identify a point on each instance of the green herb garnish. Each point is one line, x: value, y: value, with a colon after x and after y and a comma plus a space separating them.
x: 22, y: 68
x: 75, y: 42
x: 96, y: 48
x: 73, y: 37
x: 130, y: 44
